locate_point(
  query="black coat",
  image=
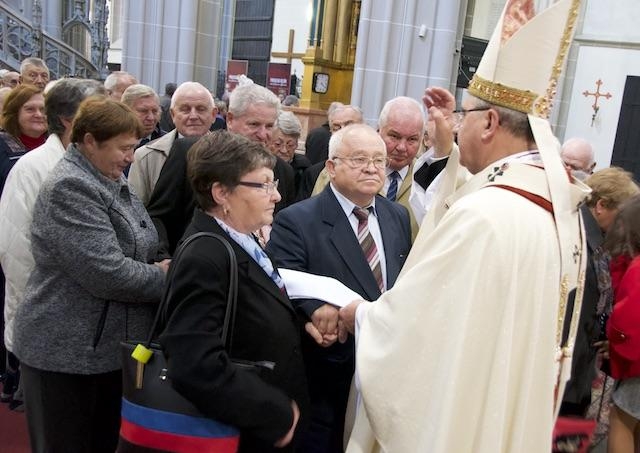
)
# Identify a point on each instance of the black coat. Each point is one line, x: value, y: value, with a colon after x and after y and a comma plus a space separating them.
x: 172, y: 201
x: 265, y: 329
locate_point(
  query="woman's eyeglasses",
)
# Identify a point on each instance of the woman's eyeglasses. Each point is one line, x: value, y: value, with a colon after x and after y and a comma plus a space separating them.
x: 269, y: 187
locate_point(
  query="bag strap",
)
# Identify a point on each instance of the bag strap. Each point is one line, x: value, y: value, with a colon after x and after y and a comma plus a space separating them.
x: 232, y: 295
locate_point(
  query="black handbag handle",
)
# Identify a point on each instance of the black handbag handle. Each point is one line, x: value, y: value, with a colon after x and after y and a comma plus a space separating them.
x: 232, y: 296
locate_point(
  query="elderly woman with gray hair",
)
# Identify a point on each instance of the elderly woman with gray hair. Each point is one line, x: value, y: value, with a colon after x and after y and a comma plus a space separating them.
x: 93, y: 285
x: 284, y: 143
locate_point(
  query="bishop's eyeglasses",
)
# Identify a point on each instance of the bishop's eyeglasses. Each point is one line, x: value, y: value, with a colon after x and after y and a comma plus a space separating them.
x: 458, y: 115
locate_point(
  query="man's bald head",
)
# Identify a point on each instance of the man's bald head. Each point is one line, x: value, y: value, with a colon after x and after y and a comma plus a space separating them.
x: 578, y: 155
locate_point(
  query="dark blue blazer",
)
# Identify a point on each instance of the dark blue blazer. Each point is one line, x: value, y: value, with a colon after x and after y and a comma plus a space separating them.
x: 315, y: 236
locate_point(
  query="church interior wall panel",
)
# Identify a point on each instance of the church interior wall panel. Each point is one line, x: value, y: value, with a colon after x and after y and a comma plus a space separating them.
x: 612, y: 20
x: 620, y: 62
x: 393, y: 60
x: 290, y: 14
x: 208, y: 38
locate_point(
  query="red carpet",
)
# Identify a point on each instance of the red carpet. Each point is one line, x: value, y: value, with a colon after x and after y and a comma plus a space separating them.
x: 13, y: 431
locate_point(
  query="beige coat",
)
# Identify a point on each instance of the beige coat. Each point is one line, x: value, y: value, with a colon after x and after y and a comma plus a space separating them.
x: 147, y: 165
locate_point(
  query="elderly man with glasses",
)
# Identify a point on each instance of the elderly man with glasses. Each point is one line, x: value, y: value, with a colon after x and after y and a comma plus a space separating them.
x: 351, y: 233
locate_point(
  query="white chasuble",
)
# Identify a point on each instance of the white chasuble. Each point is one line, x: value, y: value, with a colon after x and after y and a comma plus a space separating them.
x: 461, y: 355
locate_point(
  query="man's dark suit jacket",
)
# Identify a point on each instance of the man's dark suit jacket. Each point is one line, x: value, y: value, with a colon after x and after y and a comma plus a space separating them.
x: 315, y: 236
x: 266, y: 328
x: 172, y: 201
x: 308, y: 180
x: 299, y: 163
x: 316, y: 144
x: 577, y: 394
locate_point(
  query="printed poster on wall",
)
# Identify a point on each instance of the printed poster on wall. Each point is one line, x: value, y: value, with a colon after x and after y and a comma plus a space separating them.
x: 235, y: 68
x: 279, y: 79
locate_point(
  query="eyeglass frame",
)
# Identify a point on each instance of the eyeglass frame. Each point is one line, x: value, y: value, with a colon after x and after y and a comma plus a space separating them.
x: 458, y: 115
x: 366, y: 164
x: 269, y: 187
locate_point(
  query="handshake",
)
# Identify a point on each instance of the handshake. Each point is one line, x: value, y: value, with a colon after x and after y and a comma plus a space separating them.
x: 329, y: 323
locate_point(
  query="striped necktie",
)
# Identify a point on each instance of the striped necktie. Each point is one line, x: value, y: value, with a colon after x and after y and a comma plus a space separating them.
x: 392, y: 191
x: 368, y: 244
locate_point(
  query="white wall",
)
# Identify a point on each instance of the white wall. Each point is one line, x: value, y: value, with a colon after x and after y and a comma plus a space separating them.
x: 608, y: 48
x: 290, y: 14
x: 611, y: 66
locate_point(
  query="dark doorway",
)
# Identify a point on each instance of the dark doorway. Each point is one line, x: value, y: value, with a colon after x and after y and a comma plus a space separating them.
x: 470, y: 55
x: 252, y: 36
x: 626, y: 148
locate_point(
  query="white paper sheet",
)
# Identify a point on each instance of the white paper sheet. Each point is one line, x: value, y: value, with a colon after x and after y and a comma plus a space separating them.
x: 301, y: 285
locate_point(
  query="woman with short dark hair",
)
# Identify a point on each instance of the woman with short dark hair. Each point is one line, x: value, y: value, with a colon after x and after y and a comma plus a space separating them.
x: 91, y: 288
x: 232, y: 178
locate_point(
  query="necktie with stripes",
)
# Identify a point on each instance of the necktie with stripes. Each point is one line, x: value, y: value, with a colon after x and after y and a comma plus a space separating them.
x: 392, y: 191
x: 368, y: 244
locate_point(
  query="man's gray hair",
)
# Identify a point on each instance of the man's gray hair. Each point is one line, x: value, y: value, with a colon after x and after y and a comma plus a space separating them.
x: 137, y: 91
x: 186, y: 87
x: 517, y: 123
x: 115, y: 77
x: 289, y: 123
x: 403, y: 101
x: 32, y: 61
x: 64, y: 98
x: 342, y: 107
x: 244, y: 96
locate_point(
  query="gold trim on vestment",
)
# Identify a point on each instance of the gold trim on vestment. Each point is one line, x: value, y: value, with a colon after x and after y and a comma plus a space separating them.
x: 542, y: 106
x: 502, y: 95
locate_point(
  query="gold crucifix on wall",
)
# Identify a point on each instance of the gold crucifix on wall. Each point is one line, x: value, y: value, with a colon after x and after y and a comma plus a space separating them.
x: 597, y: 95
x: 289, y: 54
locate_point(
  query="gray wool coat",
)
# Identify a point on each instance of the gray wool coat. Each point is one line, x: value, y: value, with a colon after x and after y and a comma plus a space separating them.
x: 91, y: 287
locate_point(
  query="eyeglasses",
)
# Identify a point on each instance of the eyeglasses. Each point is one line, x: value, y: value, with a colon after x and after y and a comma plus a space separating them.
x: 362, y: 162
x: 458, y: 115
x: 269, y: 187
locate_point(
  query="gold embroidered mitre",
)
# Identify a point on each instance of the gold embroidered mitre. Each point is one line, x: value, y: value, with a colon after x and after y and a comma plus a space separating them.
x: 524, y: 58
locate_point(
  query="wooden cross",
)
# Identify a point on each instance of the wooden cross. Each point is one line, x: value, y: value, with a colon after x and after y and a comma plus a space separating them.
x: 289, y: 54
x: 597, y: 96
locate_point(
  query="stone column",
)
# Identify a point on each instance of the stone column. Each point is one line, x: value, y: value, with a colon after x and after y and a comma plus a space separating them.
x: 168, y: 41
x: 329, y: 29
x: 342, y: 32
x: 403, y: 47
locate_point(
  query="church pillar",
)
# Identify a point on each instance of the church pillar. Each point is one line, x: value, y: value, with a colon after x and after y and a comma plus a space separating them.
x: 329, y: 29
x: 52, y: 18
x: 168, y: 41
x: 208, y: 31
x: 402, y: 48
x: 342, y: 32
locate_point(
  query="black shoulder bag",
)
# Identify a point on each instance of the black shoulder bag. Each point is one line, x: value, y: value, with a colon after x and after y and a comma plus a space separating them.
x: 156, y: 416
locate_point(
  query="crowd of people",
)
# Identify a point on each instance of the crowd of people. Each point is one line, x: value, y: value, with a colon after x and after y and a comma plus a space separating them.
x: 494, y: 258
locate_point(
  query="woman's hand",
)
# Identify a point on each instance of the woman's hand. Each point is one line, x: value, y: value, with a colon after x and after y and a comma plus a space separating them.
x: 323, y: 327
x: 164, y: 265
x: 286, y: 440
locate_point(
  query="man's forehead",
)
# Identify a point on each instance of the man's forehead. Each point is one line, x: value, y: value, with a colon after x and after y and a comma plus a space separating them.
x: 361, y: 141
x: 263, y: 111
x: 193, y: 97
x: 32, y: 68
x: 346, y: 114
